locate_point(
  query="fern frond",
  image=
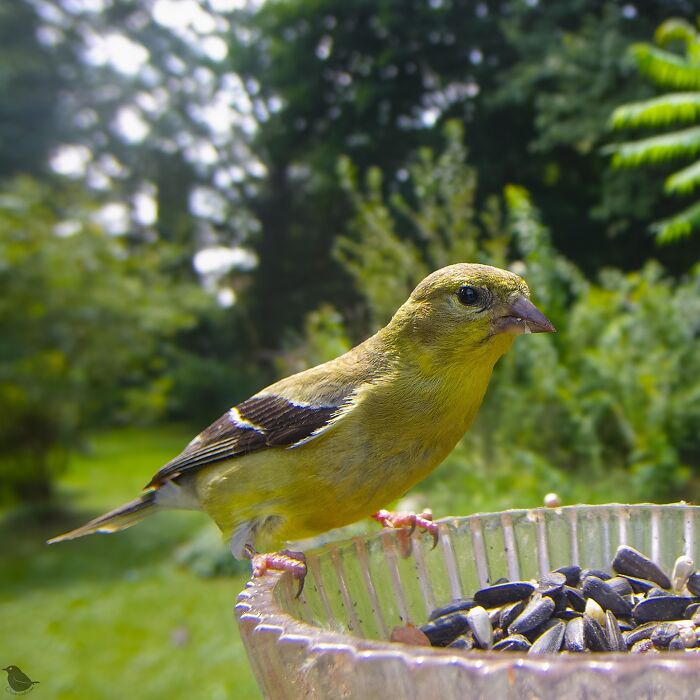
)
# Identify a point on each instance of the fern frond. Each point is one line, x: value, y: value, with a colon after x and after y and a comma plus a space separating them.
x: 656, y: 148
x: 675, y: 30
x: 679, y: 225
x: 666, y: 68
x: 684, y: 181
x: 659, y: 111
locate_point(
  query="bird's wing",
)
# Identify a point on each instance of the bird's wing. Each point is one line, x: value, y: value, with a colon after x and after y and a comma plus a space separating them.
x: 261, y: 422
x: 289, y: 413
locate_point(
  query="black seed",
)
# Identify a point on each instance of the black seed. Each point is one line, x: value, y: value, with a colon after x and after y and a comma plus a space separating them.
x: 572, y: 574
x: 501, y: 580
x: 445, y: 629
x: 502, y: 593
x: 465, y: 641
x: 551, y: 584
x: 638, y: 633
x: 639, y: 585
x: 575, y: 598
x: 625, y: 625
x: 514, y: 642
x: 593, y: 635
x: 642, y: 646
x: 655, y: 592
x: 598, y: 573
x: 536, y: 612
x: 509, y: 613
x: 612, y: 632
x: 693, y: 583
x: 534, y: 634
x: 455, y: 606
x: 573, y: 637
x: 620, y: 585
x: 676, y: 644
x: 691, y: 610
x: 661, y: 637
x: 567, y: 614
x: 662, y: 608
x: 605, y: 596
x: 630, y: 562
x: 550, y: 641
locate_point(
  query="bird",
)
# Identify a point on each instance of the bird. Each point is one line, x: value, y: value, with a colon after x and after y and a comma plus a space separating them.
x: 18, y: 680
x: 336, y: 443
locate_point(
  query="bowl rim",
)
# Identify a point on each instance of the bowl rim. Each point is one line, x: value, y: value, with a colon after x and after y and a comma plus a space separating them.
x: 258, y: 611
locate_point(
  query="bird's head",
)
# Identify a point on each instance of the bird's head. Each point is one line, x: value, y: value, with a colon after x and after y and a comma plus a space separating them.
x: 10, y: 669
x: 467, y: 307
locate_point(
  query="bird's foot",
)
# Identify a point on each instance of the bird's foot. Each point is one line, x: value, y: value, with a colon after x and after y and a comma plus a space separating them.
x: 423, y: 521
x: 286, y: 560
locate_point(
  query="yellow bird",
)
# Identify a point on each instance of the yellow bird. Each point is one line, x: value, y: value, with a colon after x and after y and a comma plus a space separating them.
x: 338, y: 442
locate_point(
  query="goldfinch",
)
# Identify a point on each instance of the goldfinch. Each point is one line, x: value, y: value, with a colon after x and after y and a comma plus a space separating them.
x: 337, y: 442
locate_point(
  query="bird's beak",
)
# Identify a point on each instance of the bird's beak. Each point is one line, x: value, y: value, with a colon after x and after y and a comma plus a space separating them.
x: 522, y: 316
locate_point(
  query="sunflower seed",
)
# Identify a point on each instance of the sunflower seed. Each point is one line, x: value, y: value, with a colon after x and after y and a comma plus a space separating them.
x: 573, y: 636
x: 605, y: 596
x: 443, y: 630
x: 689, y: 637
x: 642, y: 632
x: 594, y: 610
x: 503, y: 593
x: 464, y: 641
x: 693, y: 583
x: 630, y: 562
x: 682, y: 569
x: 676, y: 644
x: 509, y: 613
x: 550, y: 641
x: 661, y: 637
x: 620, y: 585
x: 660, y: 608
x: 599, y: 573
x: 643, y: 646
x: 575, y: 598
x: 613, y: 634
x: 535, y: 613
x: 593, y: 635
x: 572, y: 574
x: 461, y: 605
x: 551, y: 584
x: 480, y: 625
x: 514, y: 642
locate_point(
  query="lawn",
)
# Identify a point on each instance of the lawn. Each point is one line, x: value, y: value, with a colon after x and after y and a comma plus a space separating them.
x: 116, y: 616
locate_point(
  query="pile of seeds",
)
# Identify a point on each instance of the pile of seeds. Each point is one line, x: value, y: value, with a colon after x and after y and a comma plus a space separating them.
x: 640, y: 610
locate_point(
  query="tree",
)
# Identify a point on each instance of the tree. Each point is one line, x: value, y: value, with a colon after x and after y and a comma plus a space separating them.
x: 668, y: 69
x: 88, y: 331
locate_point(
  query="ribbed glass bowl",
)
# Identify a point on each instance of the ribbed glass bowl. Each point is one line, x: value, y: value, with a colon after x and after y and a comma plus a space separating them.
x: 332, y: 641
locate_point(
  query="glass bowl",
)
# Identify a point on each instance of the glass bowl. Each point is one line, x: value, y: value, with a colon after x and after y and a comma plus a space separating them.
x: 332, y: 641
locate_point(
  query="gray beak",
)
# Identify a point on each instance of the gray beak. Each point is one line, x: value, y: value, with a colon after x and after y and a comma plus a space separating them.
x: 522, y: 316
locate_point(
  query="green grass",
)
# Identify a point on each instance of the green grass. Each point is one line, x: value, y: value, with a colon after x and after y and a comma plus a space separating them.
x: 115, y: 616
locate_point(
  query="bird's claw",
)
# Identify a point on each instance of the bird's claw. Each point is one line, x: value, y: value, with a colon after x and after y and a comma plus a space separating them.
x: 285, y: 560
x: 423, y: 521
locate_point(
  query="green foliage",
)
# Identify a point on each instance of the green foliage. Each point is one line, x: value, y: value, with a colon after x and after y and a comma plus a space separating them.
x: 398, y: 240
x: 667, y: 69
x: 87, y: 331
x: 614, y: 392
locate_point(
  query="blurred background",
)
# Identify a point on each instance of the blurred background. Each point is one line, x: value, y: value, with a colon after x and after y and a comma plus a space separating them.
x: 199, y: 196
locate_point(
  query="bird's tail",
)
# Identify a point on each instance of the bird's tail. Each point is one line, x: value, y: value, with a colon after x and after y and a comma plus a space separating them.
x: 119, y: 519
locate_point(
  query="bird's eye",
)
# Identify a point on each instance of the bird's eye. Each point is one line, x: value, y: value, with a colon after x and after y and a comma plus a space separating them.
x: 469, y: 296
